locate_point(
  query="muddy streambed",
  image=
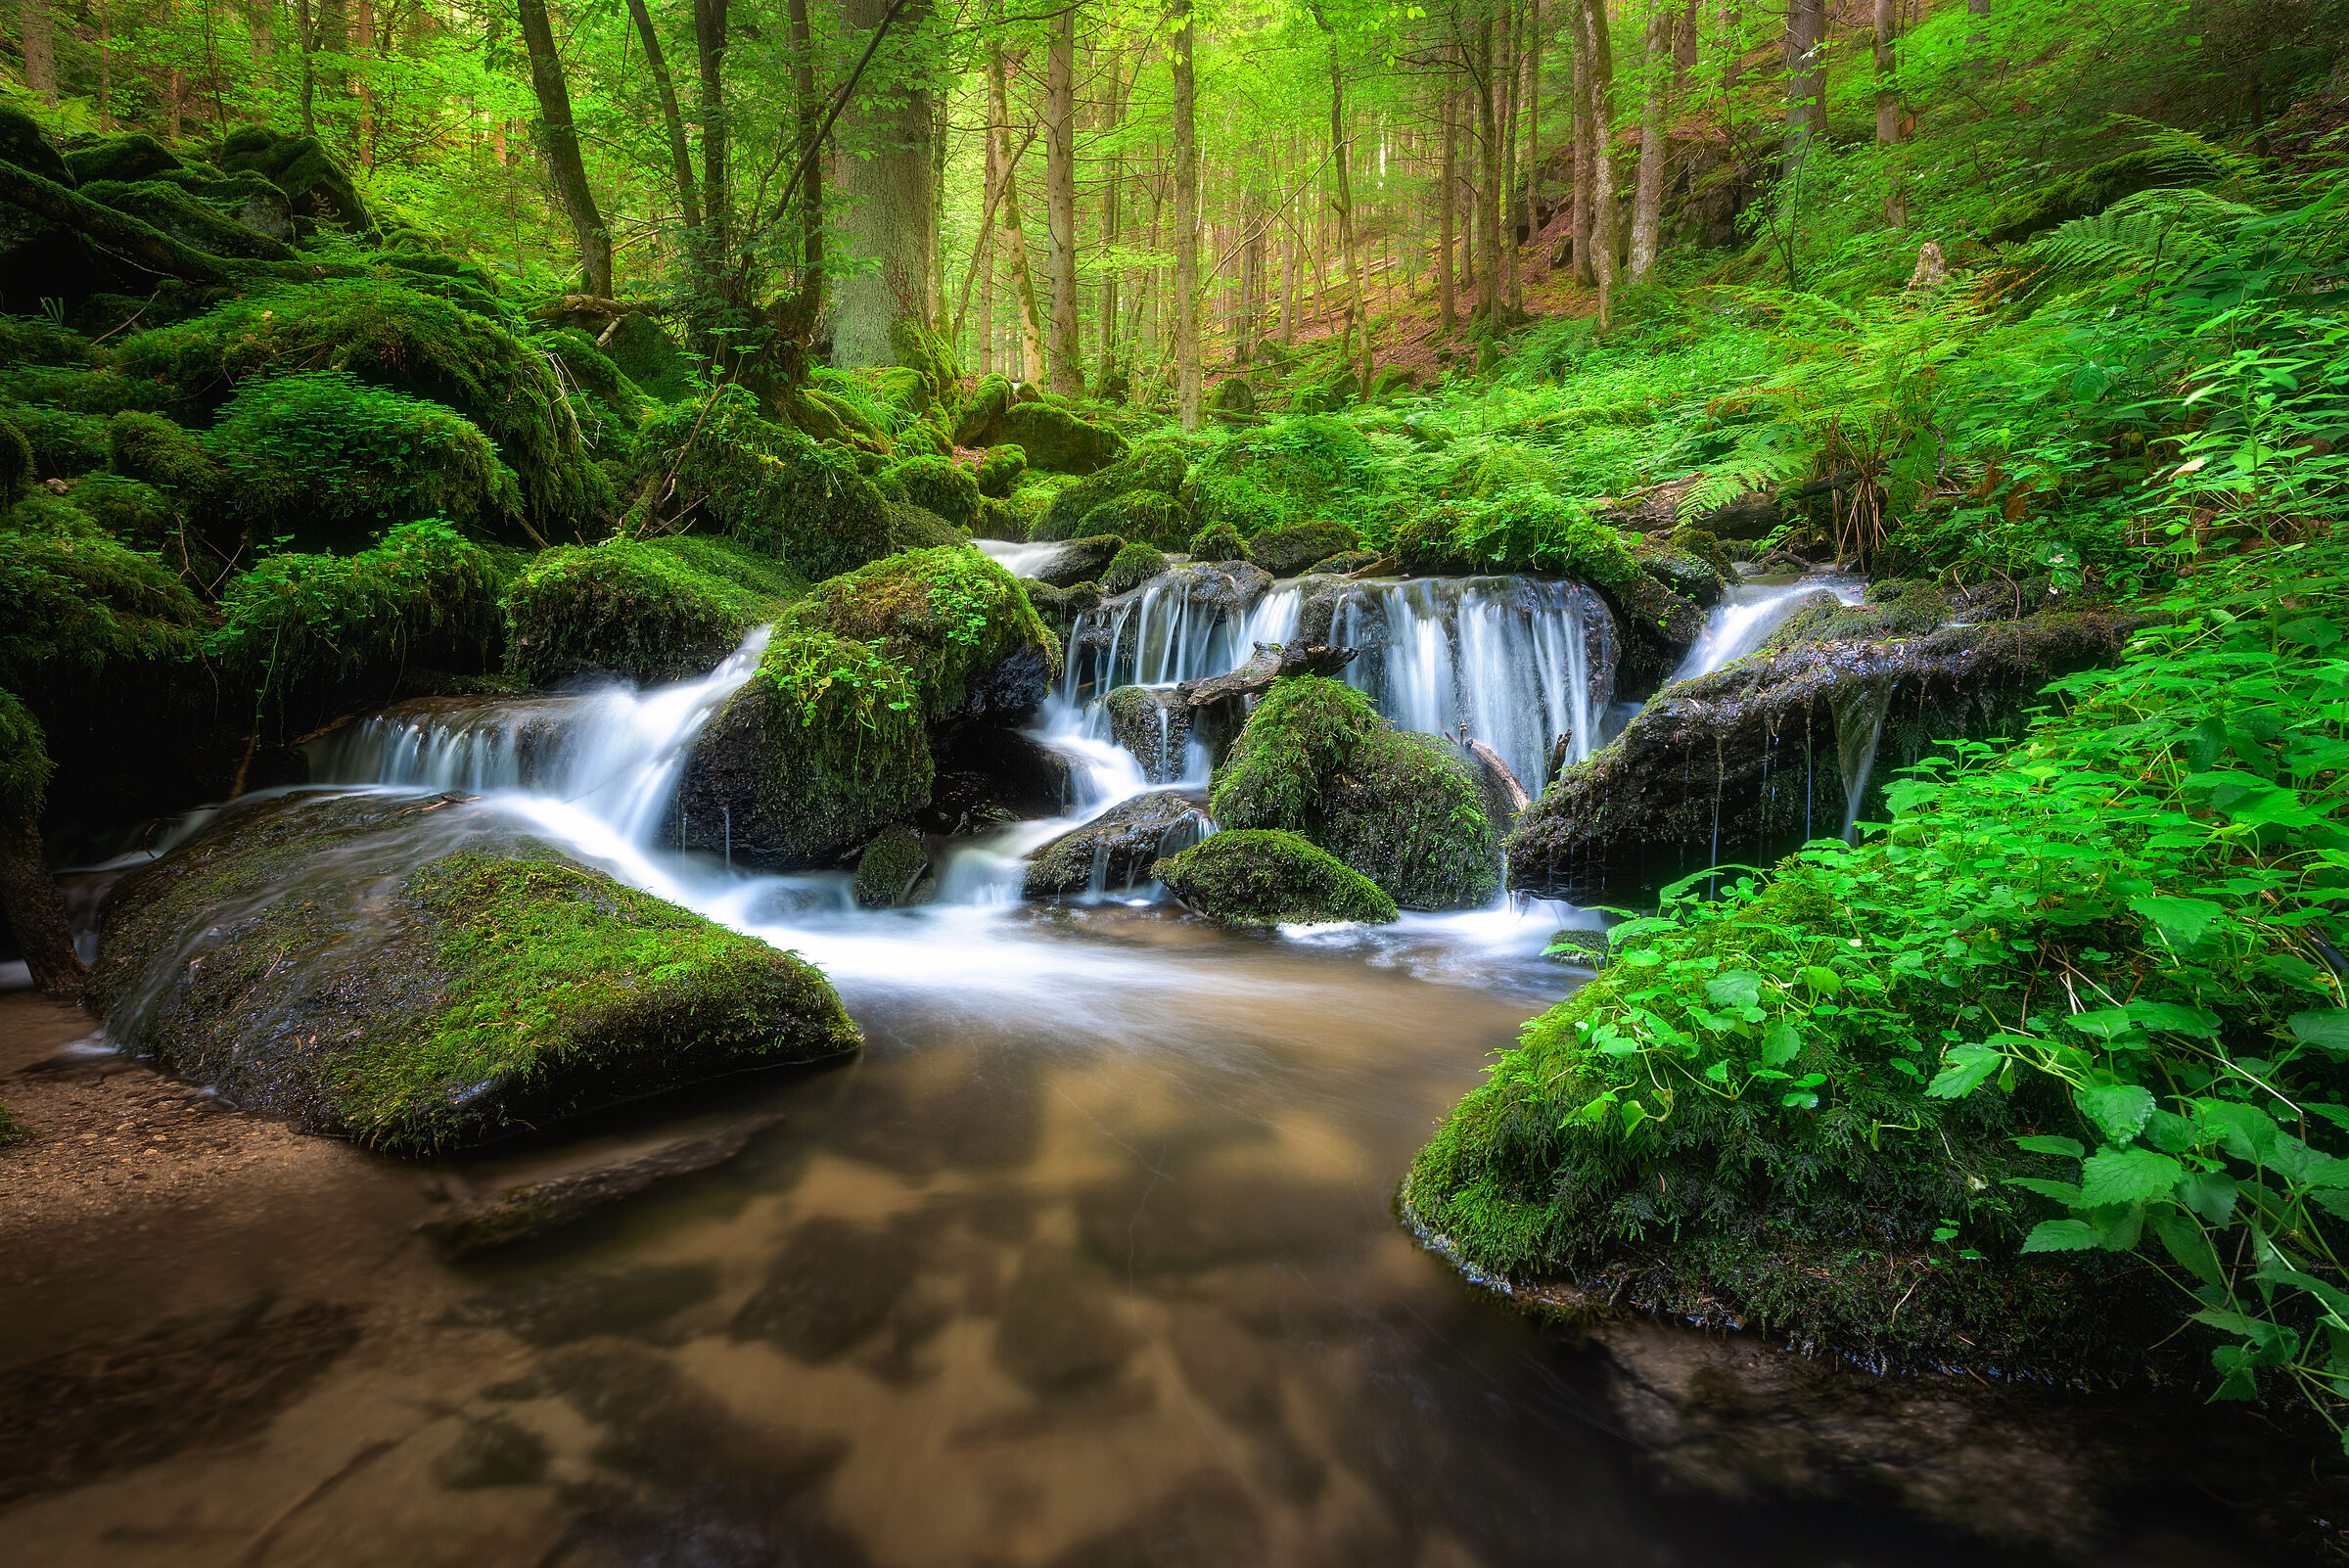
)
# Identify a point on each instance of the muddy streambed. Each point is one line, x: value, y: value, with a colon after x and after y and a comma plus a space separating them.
x: 1089, y: 1258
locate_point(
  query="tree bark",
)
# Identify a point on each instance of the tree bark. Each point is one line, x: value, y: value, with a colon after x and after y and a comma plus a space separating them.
x: 1012, y: 236
x: 1533, y: 121
x: 559, y: 140
x: 1487, y: 114
x: 1060, y: 201
x: 35, y: 912
x: 1186, y: 224
x: 1446, y: 299
x: 891, y: 211
x: 40, y: 49
x: 1648, y: 192
x: 1586, y: 143
x: 1504, y: 205
x: 1113, y: 184
x: 1806, y: 57
x: 1343, y: 200
x: 1603, y: 166
x: 673, y: 118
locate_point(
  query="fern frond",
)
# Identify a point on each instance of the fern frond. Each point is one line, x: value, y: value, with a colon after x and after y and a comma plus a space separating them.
x: 2170, y: 224
x: 1765, y: 457
x: 2183, y: 155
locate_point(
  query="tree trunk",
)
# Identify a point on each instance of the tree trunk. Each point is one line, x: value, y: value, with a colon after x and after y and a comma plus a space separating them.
x: 1533, y: 122
x: 1060, y: 201
x: 1806, y: 58
x: 105, y: 67
x: 1487, y: 115
x: 673, y: 119
x: 1186, y: 224
x: 1647, y: 193
x: 362, y: 88
x: 1340, y: 162
x: 1603, y: 166
x: 1888, y: 106
x: 808, y: 302
x: 559, y: 140
x: 1586, y: 143
x: 333, y: 41
x: 1012, y: 236
x: 40, y: 50
x: 35, y: 912
x: 1505, y: 206
x: 1446, y: 300
x: 1112, y: 187
x: 890, y: 213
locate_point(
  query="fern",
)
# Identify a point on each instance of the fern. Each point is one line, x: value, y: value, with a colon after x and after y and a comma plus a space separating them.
x: 1766, y: 457
x: 2173, y: 225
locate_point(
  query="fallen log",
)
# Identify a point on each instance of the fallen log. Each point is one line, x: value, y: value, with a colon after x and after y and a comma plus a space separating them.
x: 1270, y: 662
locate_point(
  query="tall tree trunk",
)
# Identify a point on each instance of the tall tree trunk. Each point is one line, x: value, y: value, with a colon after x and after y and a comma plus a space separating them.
x: 1806, y: 56
x: 362, y: 87
x: 105, y: 67
x: 673, y: 118
x: 1112, y: 186
x: 559, y: 140
x: 1586, y: 162
x: 1060, y: 199
x: 1602, y: 168
x: 1533, y: 121
x: 1186, y: 224
x: 891, y: 212
x: 1340, y: 163
x: 40, y: 50
x: 34, y: 912
x: 333, y: 41
x: 1013, y: 237
x: 808, y: 303
x: 1647, y: 193
x: 1504, y: 205
x: 1488, y: 193
x: 1888, y: 105
x: 1446, y: 300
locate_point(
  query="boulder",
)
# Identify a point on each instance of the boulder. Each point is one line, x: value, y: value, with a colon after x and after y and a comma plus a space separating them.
x: 1219, y: 541
x: 988, y: 775
x: 941, y: 485
x: 1002, y: 469
x: 1057, y: 440
x: 955, y: 622
x: 1745, y: 764
x: 1117, y: 849
x: 982, y: 412
x: 1153, y: 469
x: 892, y: 868
x: 420, y: 975
x: 1254, y: 877
x: 1154, y: 723
x: 1131, y: 567
x: 193, y: 223
x: 1233, y: 400
x: 1285, y: 552
x: 643, y: 611
x: 1078, y: 561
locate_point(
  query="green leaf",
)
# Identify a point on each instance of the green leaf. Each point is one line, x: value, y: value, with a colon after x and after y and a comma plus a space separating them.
x: 1964, y: 1069
x: 2047, y: 1143
x: 2127, y: 1175
x: 2183, y: 921
x: 2184, y: 1241
x: 1781, y: 1043
x: 1735, y: 988
x: 2326, y: 1029
x: 2119, y: 1110
x: 1821, y: 978
x: 2063, y: 1235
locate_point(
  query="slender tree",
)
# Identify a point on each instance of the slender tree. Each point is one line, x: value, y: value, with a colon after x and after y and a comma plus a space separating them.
x: 1060, y: 201
x: 559, y: 140
x: 1647, y: 192
x: 1186, y: 224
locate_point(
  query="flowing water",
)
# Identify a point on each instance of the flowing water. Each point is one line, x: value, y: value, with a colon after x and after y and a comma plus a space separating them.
x: 1750, y: 610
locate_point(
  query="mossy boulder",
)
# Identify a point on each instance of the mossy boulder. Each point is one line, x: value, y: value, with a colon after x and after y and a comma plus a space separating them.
x: 16, y: 470
x: 315, y: 185
x: 2086, y: 192
x: 1002, y: 469
x: 135, y: 155
x: 1345, y: 563
x: 21, y: 144
x: 137, y: 513
x: 154, y: 450
x: 193, y: 223
x: 956, y: 622
x: 941, y: 485
x: 1060, y: 607
x: 644, y: 611
x: 1078, y: 561
x: 1683, y: 571
x: 1285, y: 552
x: 1142, y: 516
x: 1659, y: 626
x: 418, y: 976
x: 1135, y: 565
x: 982, y: 411
x: 1219, y: 541
x: 1317, y: 759
x: 824, y: 747
x: 1154, y: 724
x: 1057, y: 440
x: 63, y: 445
x: 649, y: 357
x: 1232, y: 399
x: 1893, y: 608
x: 1263, y: 877
x: 1154, y: 467
x: 1116, y: 850
x: 890, y: 868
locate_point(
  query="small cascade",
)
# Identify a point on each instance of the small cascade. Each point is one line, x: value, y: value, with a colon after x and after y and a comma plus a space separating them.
x: 1749, y: 612
x: 1020, y: 560
x: 1858, y: 730
x: 1182, y: 625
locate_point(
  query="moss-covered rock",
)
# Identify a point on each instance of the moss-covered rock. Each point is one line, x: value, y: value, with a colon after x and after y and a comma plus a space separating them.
x: 1057, y: 440
x: 1058, y: 605
x: 1154, y: 467
x: 139, y: 515
x: 1285, y: 552
x: 941, y: 485
x: 2082, y: 192
x: 649, y: 358
x: 420, y: 977
x: 1404, y: 810
x: 1232, y: 399
x: 956, y: 622
x: 1144, y: 517
x: 154, y: 450
x: 1345, y: 563
x: 1683, y: 571
x: 134, y: 156
x: 1002, y: 469
x: 982, y: 412
x: 193, y: 223
x: 608, y: 405
x: 1154, y: 724
x: 21, y: 144
x: 1262, y: 877
x: 1659, y: 626
x: 890, y: 868
x: 1078, y: 561
x: 824, y: 747
x: 1219, y: 541
x: 1116, y: 850
x: 644, y: 611
x: 1135, y: 565
x: 63, y: 445
x: 298, y: 165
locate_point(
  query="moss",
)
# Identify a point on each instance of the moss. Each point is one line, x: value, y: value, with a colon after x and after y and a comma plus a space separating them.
x: 1346, y: 560
x: 1232, y: 399
x: 21, y: 144
x: 507, y: 989
x: 388, y: 336
x: 1002, y: 469
x: 1683, y: 572
x: 1221, y: 495
x: 647, y: 611
x: 1154, y: 467
x: 1908, y: 609
x: 327, y: 460
x: 890, y: 866
x: 2086, y: 192
x: 1260, y: 877
x: 38, y: 341
x: 1219, y: 541
x: 644, y: 354
x: 154, y: 450
x: 16, y: 463
x: 998, y: 521
x: 931, y: 360
x: 1285, y: 552
x: 982, y: 411
x: 136, y: 513
x: 608, y: 405
x: 940, y: 485
x: 86, y: 390
x: 1135, y: 565
x: 955, y: 622
x: 24, y: 764
x: 313, y: 183
x: 136, y: 155
x: 1317, y: 759
x: 1142, y: 516
x: 1305, y: 464
x: 468, y: 284
x: 193, y: 223
x: 1055, y: 438
x: 62, y: 444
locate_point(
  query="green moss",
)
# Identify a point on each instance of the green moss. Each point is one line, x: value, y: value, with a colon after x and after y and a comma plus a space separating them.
x: 1260, y: 877
x: 890, y: 866
x: 16, y: 463
x: 315, y: 186
x: 1135, y: 565
x: 608, y: 405
x: 982, y: 412
x: 25, y: 765
x: 193, y: 223
x: 326, y: 459
x: 37, y: 341
x: 1219, y: 541
x: 136, y: 513
x: 1153, y: 469
x: 941, y: 486
x: 954, y: 620
x: 2086, y: 192
x: 644, y: 354
x: 1225, y: 495
x: 1002, y: 469
x: 1056, y: 439
x: 648, y: 612
x: 136, y: 155
x: 1307, y: 463
x: 1142, y: 516
x: 1908, y: 609
x: 1317, y: 759
x: 84, y: 389
x: 388, y: 336
x: 1285, y: 552
x: 62, y: 444
x: 154, y: 450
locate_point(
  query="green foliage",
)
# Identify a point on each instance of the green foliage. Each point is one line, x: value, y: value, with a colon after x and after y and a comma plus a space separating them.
x: 1260, y: 877
x: 646, y: 610
x: 24, y: 764
x: 889, y: 868
x: 59, y: 444
x: 844, y: 747
x: 948, y: 617
x: 1219, y: 541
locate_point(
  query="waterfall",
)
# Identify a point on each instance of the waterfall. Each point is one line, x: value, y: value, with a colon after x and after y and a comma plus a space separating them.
x: 1859, y: 731
x: 1749, y: 612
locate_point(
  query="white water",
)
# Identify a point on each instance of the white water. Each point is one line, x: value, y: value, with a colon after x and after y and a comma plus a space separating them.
x: 1748, y: 612
x: 1020, y: 560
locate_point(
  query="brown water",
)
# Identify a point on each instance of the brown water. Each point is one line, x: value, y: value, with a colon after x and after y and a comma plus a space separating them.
x: 1087, y: 1261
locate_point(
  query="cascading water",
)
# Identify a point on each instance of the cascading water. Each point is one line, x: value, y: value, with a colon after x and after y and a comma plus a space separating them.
x: 1749, y: 612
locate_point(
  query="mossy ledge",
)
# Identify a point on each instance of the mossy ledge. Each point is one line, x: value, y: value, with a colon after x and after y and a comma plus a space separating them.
x: 417, y: 977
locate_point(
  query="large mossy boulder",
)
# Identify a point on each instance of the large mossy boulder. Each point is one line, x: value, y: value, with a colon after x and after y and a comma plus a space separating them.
x: 643, y: 611
x: 1078, y: 561
x: 1285, y: 552
x: 941, y: 485
x: 298, y: 165
x: 1260, y: 877
x: 955, y: 622
x: 1404, y: 809
x: 1116, y: 850
x: 1787, y: 745
x: 419, y: 976
x: 822, y: 747
x: 1153, y: 469
x: 1057, y: 440
x: 982, y: 411
x: 195, y: 223
x: 1135, y: 565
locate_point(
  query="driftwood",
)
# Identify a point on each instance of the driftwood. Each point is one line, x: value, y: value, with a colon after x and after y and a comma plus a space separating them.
x: 1270, y: 663
x: 1499, y: 770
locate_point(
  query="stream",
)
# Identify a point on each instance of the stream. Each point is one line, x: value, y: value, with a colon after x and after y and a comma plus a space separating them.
x: 1087, y: 1260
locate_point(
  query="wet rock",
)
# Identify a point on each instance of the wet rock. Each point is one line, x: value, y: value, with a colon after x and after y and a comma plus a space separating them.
x: 532, y: 1208
x: 636, y: 1302
x: 892, y: 871
x: 1207, y: 1521
x: 1745, y: 764
x: 1252, y: 877
x: 1683, y: 571
x: 1078, y: 561
x: 1659, y: 626
x: 1061, y: 1326
x: 1062, y: 606
x: 834, y: 1285
x: 988, y: 775
x: 492, y: 1452
x: 1154, y: 723
x: 1285, y: 552
x: 1117, y: 849
x: 1343, y: 561
x: 1055, y: 440
x: 420, y: 975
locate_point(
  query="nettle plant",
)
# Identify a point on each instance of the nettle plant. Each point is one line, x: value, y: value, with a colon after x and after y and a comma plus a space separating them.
x: 2129, y: 912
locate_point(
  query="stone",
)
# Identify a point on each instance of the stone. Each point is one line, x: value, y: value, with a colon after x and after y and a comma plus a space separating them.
x: 1117, y: 849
